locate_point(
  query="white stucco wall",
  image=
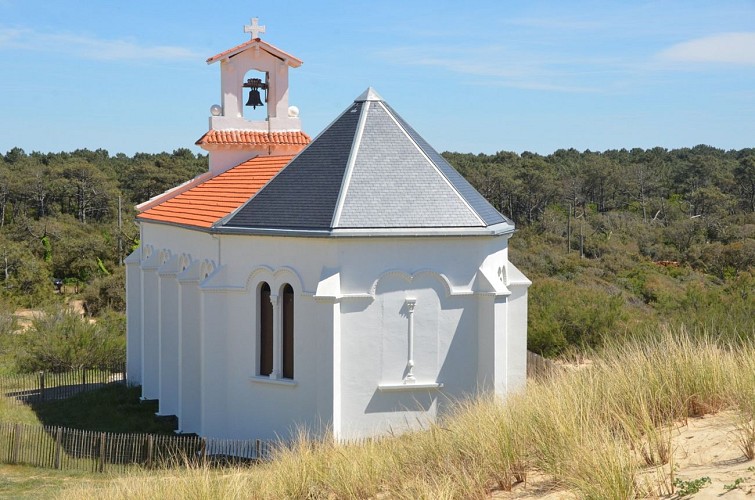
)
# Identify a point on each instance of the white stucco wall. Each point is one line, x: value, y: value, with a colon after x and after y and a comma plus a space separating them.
x: 190, y: 366
x: 257, y: 406
x: 170, y: 317
x: 150, y: 327
x: 351, y: 330
x: 214, y: 365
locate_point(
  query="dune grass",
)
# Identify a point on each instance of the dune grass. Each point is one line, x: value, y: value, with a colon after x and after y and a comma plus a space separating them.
x: 591, y: 430
x: 14, y: 412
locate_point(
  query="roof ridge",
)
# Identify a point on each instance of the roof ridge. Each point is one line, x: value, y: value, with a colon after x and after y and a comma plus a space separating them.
x: 369, y: 95
x: 346, y: 179
x: 323, y: 161
x: 251, y: 136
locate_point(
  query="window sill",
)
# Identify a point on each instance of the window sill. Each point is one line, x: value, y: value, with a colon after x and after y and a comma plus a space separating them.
x: 410, y: 386
x: 264, y: 379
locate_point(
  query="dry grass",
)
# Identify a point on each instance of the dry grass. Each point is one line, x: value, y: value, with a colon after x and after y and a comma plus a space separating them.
x: 746, y: 431
x: 592, y: 430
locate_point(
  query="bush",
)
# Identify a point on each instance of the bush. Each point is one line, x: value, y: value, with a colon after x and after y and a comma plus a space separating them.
x: 562, y: 313
x: 106, y: 293
x: 62, y: 340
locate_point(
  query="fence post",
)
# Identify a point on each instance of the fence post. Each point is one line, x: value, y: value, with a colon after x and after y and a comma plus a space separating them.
x: 102, y: 452
x: 257, y: 449
x: 58, y: 447
x: 42, y: 385
x: 203, y: 452
x: 83, y: 378
x: 17, y: 431
x: 150, y: 444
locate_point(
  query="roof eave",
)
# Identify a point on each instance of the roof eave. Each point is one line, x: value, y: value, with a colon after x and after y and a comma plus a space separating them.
x: 139, y: 220
x: 413, y: 232
x: 291, y: 60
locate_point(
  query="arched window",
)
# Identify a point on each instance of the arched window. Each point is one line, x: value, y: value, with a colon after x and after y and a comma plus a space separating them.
x: 288, y: 331
x: 265, y: 331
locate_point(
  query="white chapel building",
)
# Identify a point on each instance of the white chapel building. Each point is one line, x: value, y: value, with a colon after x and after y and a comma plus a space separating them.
x: 353, y: 284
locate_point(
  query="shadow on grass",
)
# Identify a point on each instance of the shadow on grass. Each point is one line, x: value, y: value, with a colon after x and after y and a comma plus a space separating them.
x: 112, y: 408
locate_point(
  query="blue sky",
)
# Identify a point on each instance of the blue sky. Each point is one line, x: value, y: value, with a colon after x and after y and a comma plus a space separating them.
x: 476, y: 76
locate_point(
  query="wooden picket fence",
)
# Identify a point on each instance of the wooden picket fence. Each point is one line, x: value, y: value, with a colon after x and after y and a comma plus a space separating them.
x: 45, y: 386
x: 540, y: 367
x: 73, y: 449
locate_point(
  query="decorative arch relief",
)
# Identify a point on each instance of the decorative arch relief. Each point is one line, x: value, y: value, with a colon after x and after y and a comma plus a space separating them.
x: 195, y: 271
x: 184, y: 261
x: 147, y: 252
x: 410, y: 278
x: 163, y: 256
x: 176, y: 265
x: 276, y: 278
x: 207, y: 268
x: 156, y: 258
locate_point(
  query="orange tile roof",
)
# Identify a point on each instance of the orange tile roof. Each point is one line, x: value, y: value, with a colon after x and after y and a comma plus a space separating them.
x: 206, y: 203
x: 247, y: 137
x: 271, y: 49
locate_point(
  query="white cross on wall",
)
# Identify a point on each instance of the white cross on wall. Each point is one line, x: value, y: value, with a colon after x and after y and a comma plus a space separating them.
x: 255, y: 29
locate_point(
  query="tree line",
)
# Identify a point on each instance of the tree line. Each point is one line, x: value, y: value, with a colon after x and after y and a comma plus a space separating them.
x: 70, y: 215
x: 627, y: 242
x: 689, y: 205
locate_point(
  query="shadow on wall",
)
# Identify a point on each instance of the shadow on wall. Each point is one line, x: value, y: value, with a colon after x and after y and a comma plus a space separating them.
x: 454, y: 325
x: 398, y: 401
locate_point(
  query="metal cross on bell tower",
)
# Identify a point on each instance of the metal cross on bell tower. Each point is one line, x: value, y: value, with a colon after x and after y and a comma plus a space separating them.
x: 255, y: 29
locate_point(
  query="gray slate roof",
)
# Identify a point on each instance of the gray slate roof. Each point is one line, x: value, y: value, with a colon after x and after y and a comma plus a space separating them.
x: 368, y: 170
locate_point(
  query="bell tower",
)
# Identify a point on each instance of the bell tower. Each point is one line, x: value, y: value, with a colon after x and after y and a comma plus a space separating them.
x: 233, y: 139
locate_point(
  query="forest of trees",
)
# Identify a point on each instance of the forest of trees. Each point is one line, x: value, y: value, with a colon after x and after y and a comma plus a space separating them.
x: 627, y: 242
x: 70, y: 215
x: 690, y: 205
x: 612, y: 240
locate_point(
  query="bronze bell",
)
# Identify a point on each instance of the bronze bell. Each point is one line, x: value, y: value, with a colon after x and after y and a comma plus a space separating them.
x: 254, y: 99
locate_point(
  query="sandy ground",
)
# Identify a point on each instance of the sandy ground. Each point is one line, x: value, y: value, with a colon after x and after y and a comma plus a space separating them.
x: 25, y: 316
x: 704, y: 447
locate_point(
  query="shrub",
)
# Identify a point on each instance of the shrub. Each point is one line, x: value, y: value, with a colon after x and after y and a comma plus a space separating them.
x: 62, y: 340
x: 106, y: 293
x: 562, y: 313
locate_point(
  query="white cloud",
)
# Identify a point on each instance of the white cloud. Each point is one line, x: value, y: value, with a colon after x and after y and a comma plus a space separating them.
x: 727, y: 48
x: 499, y: 66
x: 87, y: 47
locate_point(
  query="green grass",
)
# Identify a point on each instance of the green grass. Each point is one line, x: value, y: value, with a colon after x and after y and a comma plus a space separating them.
x: 13, y: 412
x: 21, y: 482
x: 113, y: 408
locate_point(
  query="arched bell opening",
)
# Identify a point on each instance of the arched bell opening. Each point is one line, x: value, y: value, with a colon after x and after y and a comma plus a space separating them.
x: 254, y: 93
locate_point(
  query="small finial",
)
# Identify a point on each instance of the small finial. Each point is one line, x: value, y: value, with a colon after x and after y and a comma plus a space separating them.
x: 255, y: 29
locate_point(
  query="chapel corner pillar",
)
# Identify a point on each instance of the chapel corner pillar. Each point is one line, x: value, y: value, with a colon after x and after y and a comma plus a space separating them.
x: 516, y: 337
